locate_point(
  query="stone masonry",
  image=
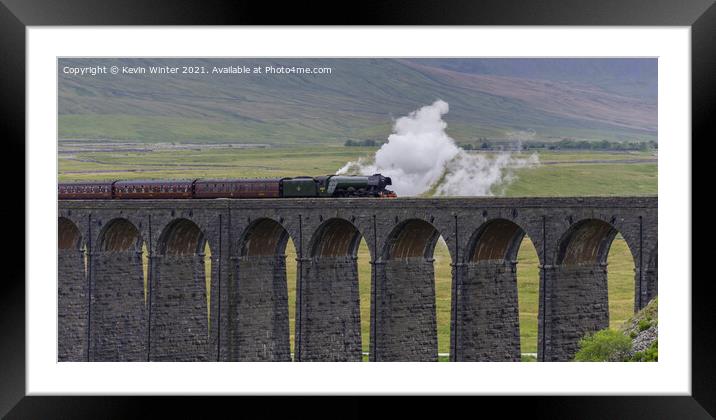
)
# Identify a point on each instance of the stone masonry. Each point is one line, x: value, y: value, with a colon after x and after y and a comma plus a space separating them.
x: 72, y: 301
x: 488, y: 317
x: 118, y: 329
x: 262, y: 331
x: 246, y: 316
x: 407, y: 329
x: 329, y: 327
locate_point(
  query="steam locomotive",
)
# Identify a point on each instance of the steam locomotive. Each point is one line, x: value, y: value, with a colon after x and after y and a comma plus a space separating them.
x: 298, y: 187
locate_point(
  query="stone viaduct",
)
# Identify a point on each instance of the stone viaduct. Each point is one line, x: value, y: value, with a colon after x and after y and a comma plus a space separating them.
x: 118, y: 303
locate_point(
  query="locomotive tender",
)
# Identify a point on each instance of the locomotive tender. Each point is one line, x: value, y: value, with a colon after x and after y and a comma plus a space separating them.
x: 298, y: 187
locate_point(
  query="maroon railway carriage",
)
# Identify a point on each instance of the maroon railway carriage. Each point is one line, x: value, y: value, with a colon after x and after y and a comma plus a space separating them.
x: 237, y: 188
x: 153, y: 189
x: 85, y: 190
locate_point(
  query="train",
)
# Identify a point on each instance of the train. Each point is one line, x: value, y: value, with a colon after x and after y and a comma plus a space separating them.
x: 295, y: 187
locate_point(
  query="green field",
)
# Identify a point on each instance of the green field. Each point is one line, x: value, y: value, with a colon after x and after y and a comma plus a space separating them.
x: 561, y: 174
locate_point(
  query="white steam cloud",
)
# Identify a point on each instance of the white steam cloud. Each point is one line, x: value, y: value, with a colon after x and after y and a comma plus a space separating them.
x: 420, y: 157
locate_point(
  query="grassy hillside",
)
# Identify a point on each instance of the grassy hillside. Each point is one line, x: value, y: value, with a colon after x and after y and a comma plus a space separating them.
x: 636, y: 77
x: 358, y: 100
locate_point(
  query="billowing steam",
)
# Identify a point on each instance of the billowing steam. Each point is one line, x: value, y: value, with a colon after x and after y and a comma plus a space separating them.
x: 421, y: 158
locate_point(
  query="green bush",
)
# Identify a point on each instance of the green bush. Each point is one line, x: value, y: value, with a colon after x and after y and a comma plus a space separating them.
x: 651, y: 354
x: 603, y: 346
x: 644, y: 325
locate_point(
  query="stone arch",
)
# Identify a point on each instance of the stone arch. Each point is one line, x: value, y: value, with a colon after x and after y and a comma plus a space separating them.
x: 68, y: 235
x: 587, y: 242
x: 486, y: 323
x: 118, y: 235
x: 258, y: 304
x: 412, y: 238
x: 495, y: 240
x: 578, y: 301
x: 71, y: 293
x: 181, y: 237
x: 328, y: 320
x: 405, y: 324
x: 263, y: 236
x: 181, y: 327
x: 335, y: 237
x: 118, y: 307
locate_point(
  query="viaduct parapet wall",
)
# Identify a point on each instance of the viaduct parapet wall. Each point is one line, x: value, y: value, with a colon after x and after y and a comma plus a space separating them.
x: 205, y: 280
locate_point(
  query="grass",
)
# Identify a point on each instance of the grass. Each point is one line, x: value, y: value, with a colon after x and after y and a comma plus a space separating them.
x: 566, y: 177
x: 568, y: 174
x: 207, y: 163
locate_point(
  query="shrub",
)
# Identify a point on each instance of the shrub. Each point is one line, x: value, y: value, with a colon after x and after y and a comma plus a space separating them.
x: 603, y: 346
x: 651, y: 354
x: 644, y: 325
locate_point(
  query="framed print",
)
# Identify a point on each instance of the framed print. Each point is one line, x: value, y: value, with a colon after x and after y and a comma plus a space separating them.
x: 415, y: 185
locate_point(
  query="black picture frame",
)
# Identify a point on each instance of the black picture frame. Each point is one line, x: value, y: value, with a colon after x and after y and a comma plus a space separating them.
x: 16, y: 15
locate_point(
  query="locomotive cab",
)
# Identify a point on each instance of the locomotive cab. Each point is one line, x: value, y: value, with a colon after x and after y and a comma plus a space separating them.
x: 303, y: 186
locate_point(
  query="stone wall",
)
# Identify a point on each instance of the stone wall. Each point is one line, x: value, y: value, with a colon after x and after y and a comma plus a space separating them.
x: 406, y: 328
x: 71, y: 306
x: 260, y: 331
x: 329, y: 327
x: 488, y: 328
x: 578, y: 305
x: 119, y: 313
x: 179, y: 317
